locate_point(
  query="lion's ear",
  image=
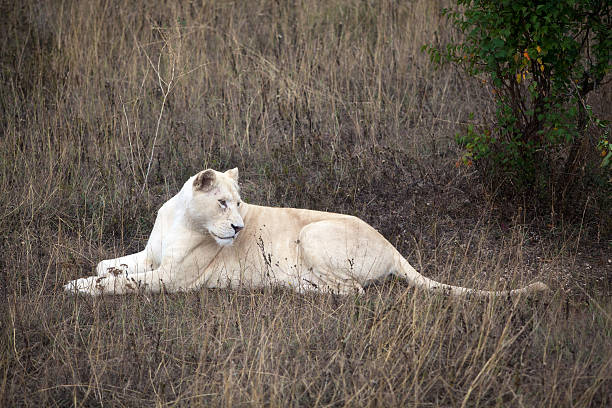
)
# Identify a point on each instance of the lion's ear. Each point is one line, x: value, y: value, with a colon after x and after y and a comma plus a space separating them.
x: 204, y: 181
x: 233, y: 173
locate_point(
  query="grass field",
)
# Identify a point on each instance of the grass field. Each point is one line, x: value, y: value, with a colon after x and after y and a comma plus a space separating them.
x: 109, y: 106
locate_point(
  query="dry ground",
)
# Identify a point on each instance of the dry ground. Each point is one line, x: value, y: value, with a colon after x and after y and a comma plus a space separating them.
x: 108, y: 106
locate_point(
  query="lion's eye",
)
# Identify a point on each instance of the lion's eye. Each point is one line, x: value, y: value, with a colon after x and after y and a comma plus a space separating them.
x: 238, y: 204
x: 223, y: 203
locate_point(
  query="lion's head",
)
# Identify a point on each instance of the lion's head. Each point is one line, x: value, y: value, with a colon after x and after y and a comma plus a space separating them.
x: 214, y: 203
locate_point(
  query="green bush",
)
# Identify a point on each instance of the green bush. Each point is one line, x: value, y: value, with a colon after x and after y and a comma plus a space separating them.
x: 541, y: 58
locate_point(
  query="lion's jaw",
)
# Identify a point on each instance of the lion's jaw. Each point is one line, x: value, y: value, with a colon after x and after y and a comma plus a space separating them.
x: 223, y: 232
x: 223, y: 241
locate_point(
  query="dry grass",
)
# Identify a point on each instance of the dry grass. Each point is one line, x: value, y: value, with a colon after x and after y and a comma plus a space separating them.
x: 107, y: 107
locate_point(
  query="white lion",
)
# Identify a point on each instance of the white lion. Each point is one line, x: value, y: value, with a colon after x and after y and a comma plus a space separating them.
x: 206, y: 236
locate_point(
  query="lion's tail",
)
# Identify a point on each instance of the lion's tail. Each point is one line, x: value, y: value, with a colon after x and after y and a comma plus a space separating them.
x: 406, y: 271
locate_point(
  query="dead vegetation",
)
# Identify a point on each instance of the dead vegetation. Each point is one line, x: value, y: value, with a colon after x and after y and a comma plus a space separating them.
x: 107, y: 107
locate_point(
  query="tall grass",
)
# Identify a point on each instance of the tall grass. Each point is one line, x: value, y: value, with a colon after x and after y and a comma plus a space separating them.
x: 107, y: 108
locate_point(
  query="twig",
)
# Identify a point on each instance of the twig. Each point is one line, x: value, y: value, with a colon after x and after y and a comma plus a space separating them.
x: 165, y: 92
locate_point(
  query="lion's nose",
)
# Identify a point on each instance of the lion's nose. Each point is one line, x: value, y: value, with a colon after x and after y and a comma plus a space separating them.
x: 237, y: 228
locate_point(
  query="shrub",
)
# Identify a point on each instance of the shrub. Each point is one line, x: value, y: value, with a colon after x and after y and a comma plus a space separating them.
x: 541, y: 58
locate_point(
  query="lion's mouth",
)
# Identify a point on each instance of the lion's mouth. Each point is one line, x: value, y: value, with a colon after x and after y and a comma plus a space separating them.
x: 223, y: 238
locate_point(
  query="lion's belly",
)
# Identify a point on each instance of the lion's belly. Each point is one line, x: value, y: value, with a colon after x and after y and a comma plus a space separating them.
x: 256, y: 263
x: 267, y: 252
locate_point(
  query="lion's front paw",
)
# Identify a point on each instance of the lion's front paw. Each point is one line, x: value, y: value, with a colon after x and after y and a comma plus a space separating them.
x: 92, y: 285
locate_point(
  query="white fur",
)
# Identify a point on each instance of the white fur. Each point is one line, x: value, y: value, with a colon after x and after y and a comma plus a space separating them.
x: 206, y: 236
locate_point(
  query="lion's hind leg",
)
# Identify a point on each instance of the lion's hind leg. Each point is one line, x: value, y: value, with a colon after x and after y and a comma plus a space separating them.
x: 340, y: 256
